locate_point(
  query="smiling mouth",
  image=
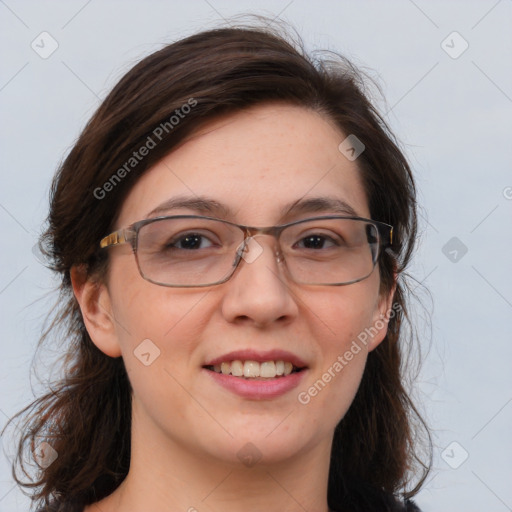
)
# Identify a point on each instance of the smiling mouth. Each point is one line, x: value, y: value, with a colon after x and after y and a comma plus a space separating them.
x: 255, y: 370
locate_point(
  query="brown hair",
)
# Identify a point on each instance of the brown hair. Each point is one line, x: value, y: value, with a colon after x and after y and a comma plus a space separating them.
x: 86, y: 417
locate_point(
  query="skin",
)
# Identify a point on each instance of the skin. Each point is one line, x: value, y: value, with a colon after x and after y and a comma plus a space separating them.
x: 186, y: 429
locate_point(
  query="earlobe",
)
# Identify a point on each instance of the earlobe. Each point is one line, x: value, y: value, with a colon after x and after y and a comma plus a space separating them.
x: 94, y: 300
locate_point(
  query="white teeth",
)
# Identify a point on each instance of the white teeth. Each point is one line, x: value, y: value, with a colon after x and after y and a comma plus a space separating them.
x: 253, y: 369
x: 268, y: 369
x: 237, y: 368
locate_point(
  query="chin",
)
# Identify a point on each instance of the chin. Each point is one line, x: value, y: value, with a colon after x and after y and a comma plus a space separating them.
x: 268, y: 448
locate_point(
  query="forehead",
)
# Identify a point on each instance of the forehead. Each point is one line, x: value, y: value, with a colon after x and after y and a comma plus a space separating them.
x: 253, y: 162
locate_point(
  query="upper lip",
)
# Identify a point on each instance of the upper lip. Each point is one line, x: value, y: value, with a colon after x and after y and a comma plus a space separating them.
x: 260, y: 357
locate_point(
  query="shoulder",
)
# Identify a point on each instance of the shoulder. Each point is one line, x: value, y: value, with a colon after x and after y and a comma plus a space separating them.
x: 407, y: 506
x: 411, y: 507
x: 369, y: 499
x: 396, y: 505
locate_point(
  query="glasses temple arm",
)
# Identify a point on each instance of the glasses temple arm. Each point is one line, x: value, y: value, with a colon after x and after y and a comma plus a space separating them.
x: 115, y: 238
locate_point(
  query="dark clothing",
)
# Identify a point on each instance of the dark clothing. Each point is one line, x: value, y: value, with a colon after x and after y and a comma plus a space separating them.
x: 395, y: 505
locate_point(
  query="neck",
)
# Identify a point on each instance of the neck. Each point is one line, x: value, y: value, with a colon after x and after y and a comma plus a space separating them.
x: 165, y: 476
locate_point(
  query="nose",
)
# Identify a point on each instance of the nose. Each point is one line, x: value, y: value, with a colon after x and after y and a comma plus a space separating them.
x: 258, y: 293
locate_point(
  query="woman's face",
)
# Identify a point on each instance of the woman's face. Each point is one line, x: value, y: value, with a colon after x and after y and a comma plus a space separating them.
x: 255, y: 164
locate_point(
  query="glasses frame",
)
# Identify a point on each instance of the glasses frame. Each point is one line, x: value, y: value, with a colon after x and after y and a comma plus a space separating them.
x: 130, y: 235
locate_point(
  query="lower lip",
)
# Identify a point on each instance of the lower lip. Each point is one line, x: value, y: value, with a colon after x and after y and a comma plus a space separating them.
x: 258, y: 389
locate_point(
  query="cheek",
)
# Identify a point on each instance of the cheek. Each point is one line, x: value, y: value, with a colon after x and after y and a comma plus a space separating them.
x: 343, y: 313
x: 144, y: 310
x: 159, y: 330
x: 342, y: 318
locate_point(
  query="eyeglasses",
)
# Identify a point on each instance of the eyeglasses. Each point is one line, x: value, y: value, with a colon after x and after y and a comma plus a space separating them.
x: 195, y: 251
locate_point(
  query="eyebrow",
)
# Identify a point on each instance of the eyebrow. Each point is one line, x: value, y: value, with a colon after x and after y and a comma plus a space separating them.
x: 200, y: 204
x: 320, y: 204
x: 208, y: 206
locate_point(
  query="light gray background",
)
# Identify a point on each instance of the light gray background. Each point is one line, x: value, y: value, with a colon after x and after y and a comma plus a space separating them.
x: 453, y: 116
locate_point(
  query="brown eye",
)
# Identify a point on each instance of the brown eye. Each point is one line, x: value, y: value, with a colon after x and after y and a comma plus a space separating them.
x: 190, y: 241
x: 316, y: 242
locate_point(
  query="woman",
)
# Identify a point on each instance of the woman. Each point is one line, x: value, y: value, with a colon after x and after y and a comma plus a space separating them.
x: 232, y: 229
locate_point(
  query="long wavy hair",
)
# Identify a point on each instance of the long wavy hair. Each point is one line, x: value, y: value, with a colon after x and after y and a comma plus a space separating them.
x: 381, y: 447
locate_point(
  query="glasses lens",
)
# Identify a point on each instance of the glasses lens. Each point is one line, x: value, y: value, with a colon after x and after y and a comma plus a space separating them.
x: 190, y: 251
x: 330, y: 251
x: 187, y: 251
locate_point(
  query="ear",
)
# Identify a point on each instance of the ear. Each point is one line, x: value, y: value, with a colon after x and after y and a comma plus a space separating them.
x: 94, y: 300
x: 382, y: 313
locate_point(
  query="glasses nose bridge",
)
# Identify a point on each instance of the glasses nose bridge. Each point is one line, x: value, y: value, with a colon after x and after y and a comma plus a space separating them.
x: 251, y: 231
x: 273, y: 231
